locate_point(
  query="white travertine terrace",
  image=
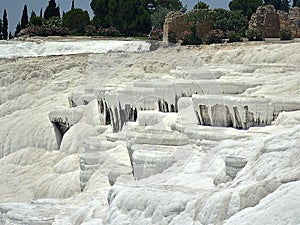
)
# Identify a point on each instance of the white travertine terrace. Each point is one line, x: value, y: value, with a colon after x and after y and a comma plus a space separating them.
x: 132, y: 150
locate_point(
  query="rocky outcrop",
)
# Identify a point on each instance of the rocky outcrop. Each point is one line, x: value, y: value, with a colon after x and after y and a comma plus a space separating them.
x: 268, y: 22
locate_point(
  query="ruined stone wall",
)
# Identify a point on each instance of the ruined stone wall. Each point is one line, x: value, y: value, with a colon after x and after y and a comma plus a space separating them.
x: 294, y: 17
x: 269, y: 22
x: 177, y: 23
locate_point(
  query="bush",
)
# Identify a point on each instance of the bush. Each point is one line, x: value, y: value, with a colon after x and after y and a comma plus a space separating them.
x: 111, y: 32
x: 285, y: 35
x: 234, y: 37
x: 156, y: 34
x: 90, y: 30
x: 191, y: 38
x: 215, y: 36
x: 254, y: 35
x: 172, y: 37
x: 44, y: 31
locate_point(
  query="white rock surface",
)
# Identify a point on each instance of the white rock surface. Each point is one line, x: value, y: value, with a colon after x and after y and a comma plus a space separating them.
x: 180, y: 166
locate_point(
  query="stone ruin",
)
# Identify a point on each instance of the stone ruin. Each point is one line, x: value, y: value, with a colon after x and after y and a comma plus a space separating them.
x: 178, y: 24
x: 268, y: 21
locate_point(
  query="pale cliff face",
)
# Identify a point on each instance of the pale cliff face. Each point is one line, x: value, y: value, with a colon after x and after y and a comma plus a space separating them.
x: 184, y: 173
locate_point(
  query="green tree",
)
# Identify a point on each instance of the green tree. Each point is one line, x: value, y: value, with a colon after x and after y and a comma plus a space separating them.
x: 76, y: 20
x: 174, y: 5
x: 32, y: 16
x: 1, y: 30
x: 142, y: 19
x: 158, y: 17
x: 279, y: 4
x: 18, y: 29
x: 134, y: 19
x: 222, y: 19
x: 246, y: 6
x: 113, y: 15
x: 10, y: 36
x: 127, y: 14
x: 73, y: 5
x: 52, y: 10
x: 130, y: 17
x: 296, y: 3
x: 24, y: 19
x: 35, y: 20
x: 100, y: 8
x: 285, y: 5
x: 229, y: 21
x: 41, y: 12
x: 5, y: 25
x: 201, y: 5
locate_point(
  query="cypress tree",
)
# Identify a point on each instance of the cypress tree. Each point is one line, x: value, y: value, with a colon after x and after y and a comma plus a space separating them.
x: 113, y: 14
x: 73, y: 5
x: 1, y: 29
x: 279, y: 4
x: 143, y: 19
x: 41, y: 13
x: 18, y: 29
x: 51, y: 10
x: 32, y: 16
x: 10, y: 36
x: 247, y: 7
x: 296, y: 3
x: 101, y: 10
x: 5, y: 26
x: 285, y: 5
x: 34, y: 20
x: 24, y: 19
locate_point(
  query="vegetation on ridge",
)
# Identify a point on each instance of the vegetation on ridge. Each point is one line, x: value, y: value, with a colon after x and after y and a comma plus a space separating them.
x: 136, y: 18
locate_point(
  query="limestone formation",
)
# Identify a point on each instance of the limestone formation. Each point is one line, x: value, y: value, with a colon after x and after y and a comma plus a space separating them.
x: 237, y: 112
x: 234, y: 165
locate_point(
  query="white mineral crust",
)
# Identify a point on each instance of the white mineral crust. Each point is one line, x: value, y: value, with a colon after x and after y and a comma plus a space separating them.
x: 61, y: 162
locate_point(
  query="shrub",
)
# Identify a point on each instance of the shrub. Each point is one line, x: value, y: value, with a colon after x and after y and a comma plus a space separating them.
x: 156, y: 34
x: 215, y: 36
x: 285, y: 35
x: 44, y: 31
x: 111, y: 31
x: 234, y: 37
x: 254, y: 35
x: 90, y: 30
x: 191, y: 38
x: 172, y: 37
